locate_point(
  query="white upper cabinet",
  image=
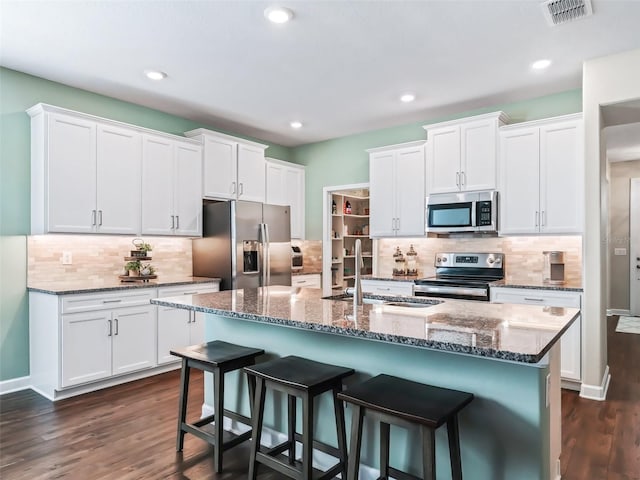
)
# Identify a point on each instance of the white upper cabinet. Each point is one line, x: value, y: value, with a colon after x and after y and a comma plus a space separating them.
x: 462, y: 154
x: 542, y: 177
x: 171, y: 195
x: 87, y: 176
x: 285, y: 186
x: 233, y: 168
x: 397, y: 190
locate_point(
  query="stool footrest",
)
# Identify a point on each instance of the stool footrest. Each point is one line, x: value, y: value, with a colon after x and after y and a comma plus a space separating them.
x: 203, y: 421
x: 237, y: 417
x: 293, y: 470
x: 273, y: 451
x: 194, y: 429
x: 323, y: 447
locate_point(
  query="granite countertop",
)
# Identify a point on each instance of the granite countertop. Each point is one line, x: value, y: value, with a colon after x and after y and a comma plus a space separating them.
x: 109, y: 284
x: 521, y: 333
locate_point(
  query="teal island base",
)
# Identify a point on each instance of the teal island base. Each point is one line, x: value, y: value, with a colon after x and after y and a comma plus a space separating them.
x: 510, y: 431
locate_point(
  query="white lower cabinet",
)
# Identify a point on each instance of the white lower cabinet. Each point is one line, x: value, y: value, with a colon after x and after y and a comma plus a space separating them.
x: 103, y: 343
x: 387, y: 287
x: 180, y: 328
x: 310, y: 280
x: 571, y: 342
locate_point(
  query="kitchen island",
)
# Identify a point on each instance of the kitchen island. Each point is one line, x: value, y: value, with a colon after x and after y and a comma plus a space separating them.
x: 506, y: 355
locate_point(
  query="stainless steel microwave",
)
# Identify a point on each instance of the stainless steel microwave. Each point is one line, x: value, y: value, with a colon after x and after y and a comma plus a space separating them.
x: 462, y: 212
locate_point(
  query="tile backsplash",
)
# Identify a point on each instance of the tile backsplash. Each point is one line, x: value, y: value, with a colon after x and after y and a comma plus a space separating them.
x: 312, y: 254
x: 101, y: 256
x: 523, y: 255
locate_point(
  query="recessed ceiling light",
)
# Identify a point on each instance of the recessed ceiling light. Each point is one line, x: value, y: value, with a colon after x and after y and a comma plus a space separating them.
x: 541, y: 64
x: 155, y: 74
x: 296, y: 124
x: 407, y: 97
x: 278, y: 14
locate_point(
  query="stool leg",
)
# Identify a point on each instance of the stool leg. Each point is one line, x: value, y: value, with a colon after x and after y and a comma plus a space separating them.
x: 258, y: 415
x: 454, y: 448
x: 357, y: 416
x: 340, y: 429
x: 251, y: 383
x: 428, y: 452
x: 292, y: 428
x: 307, y: 436
x: 384, y: 450
x: 218, y: 393
x: 182, y: 406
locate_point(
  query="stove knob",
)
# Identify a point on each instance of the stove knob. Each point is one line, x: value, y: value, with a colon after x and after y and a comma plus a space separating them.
x: 444, y: 259
x: 490, y: 260
x: 438, y: 259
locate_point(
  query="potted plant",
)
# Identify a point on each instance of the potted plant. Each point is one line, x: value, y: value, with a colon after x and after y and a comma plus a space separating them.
x: 143, y: 249
x: 133, y: 268
x: 147, y: 269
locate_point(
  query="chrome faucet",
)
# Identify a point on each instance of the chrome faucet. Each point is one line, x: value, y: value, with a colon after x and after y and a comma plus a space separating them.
x: 357, y: 290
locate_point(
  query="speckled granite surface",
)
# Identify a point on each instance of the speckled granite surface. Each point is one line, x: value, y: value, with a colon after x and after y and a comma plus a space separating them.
x: 521, y: 333
x: 109, y: 284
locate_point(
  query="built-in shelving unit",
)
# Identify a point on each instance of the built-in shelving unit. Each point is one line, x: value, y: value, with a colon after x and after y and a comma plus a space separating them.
x: 346, y: 228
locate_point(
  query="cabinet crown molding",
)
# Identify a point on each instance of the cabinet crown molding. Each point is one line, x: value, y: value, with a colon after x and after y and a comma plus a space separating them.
x: 386, y: 148
x: 40, y: 108
x: 284, y: 163
x: 222, y: 136
x: 500, y: 116
x: 543, y: 121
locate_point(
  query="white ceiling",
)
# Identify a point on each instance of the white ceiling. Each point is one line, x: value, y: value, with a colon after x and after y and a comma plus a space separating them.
x: 339, y: 66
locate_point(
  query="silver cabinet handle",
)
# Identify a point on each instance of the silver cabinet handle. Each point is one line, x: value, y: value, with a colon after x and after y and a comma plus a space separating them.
x: 241, y: 189
x: 190, y: 293
x: 112, y: 301
x: 93, y: 217
x: 177, y: 222
x: 233, y: 187
x: 193, y: 317
x: 383, y: 289
x: 537, y: 218
x: 397, y: 224
x: 534, y: 299
x: 110, y: 328
x: 457, y: 179
x: 173, y: 222
x: 463, y: 178
x: 116, y: 329
x: 543, y: 219
x: 99, y: 217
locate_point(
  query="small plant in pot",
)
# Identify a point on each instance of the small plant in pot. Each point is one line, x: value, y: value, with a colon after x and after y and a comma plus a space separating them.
x: 133, y: 268
x: 147, y: 269
x: 143, y: 249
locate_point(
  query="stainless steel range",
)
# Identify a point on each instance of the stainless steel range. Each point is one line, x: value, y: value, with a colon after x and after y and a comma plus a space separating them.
x: 466, y: 276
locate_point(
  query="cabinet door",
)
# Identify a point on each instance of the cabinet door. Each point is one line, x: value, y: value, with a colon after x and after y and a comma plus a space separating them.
x: 519, y: 181
x: 251, y: 173
x: 294, y: 182
x: 173, y: 332
x: 478, y: 161
x: 410, y: 192
x: 220, y: 168
x: 86, y: 347
x: 71, y: 170
x: 275, y: 184
x: 382, y: 222
x: 561, y: 178
x: 157, y: 186
x: 570, y: 352
x: 392, y: 288
x: 119, y: 160
x: 134, y: 340
x: 196, y: 328
x: 188, y: 195
x: 443, y: 159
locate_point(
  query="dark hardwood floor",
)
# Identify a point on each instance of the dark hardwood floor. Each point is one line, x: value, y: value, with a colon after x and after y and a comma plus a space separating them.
x: 128, y: 432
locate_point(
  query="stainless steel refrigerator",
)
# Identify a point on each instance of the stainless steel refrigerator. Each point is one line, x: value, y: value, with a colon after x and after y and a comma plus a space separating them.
x: 246, y: 244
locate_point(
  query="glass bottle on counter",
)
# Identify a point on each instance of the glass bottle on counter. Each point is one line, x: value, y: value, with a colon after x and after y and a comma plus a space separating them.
x: 334, y: 208
x: 398, y: 263
x: 412, y: 262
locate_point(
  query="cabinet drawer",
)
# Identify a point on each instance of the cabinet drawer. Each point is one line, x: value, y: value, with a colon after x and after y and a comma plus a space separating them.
x: 382, y: 287
x: 192, y: 289
x: 551, y: 298
x: 120, y: 298
x: 306, y: 281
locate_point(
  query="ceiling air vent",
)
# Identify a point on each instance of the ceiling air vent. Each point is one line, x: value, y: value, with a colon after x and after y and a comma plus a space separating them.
x: 562, y: 11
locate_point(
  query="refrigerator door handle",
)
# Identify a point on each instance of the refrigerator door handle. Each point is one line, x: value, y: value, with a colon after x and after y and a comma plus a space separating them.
x: 264, y: 253
x: 267, y: 258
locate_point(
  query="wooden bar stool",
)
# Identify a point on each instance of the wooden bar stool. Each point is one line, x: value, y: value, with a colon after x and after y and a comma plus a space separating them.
x: 401, y: 402
x: 297, y: 377
x: 217, y: 358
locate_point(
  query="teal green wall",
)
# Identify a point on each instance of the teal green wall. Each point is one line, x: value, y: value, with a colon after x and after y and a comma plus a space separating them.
x: 343, y: 161
x: 18, y: 92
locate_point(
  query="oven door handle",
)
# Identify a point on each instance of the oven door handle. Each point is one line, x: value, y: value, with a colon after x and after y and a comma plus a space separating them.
x: 470, y: 291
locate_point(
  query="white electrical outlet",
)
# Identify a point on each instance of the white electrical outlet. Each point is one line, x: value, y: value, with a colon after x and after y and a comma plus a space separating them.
x: 619, y: 251
x: 67, y: 258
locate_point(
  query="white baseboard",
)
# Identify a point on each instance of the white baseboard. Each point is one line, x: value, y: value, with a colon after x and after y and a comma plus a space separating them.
x: 617, y: 311
x: 597, y: 392
x: 15, y: 385
x: 271, y: 438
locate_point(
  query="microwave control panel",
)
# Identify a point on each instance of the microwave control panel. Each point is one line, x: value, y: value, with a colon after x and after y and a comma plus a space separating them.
x: 483, y: 213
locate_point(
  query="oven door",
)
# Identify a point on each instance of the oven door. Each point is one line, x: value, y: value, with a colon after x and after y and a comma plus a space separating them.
x: 445, y: 289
